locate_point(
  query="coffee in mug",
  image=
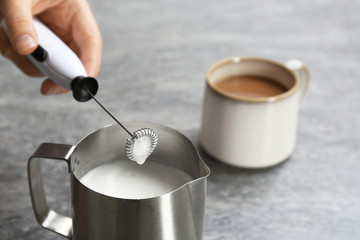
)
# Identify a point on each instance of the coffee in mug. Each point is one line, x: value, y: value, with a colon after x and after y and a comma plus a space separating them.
x: 250, y: 86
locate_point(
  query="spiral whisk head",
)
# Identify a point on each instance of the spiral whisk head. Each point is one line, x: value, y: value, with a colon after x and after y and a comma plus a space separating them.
x: 141, y: 145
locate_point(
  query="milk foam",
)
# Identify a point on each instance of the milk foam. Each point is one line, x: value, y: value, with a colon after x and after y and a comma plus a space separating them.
x: 128, y: 180
x: 142, y: 149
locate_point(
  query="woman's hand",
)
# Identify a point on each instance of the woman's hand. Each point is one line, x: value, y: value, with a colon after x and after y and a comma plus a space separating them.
x: 71, y: 20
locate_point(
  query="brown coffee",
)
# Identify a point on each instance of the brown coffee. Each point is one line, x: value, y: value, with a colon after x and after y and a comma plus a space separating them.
x: 250, y: 86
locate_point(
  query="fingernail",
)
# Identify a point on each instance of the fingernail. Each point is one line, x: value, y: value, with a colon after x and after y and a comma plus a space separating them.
x: 24, y: 42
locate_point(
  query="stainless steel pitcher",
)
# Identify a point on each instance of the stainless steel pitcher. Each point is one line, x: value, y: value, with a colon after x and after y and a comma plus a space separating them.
x: 177, y: 215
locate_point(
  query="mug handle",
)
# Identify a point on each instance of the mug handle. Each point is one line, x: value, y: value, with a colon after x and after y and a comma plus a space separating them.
x: 302, y: 72
x: 46, y: 217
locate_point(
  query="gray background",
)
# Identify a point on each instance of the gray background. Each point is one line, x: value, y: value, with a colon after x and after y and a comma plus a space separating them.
x: 154, y: 61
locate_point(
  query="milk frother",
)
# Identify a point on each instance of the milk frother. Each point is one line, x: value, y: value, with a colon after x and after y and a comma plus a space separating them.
x: 57, y: 61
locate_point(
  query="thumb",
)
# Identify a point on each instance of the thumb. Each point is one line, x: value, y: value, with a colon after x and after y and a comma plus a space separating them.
x: 20, y: 27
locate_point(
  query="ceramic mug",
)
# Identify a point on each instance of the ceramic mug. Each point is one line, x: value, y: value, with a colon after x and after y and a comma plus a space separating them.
x: 177, y: 215
x: 252, y: 132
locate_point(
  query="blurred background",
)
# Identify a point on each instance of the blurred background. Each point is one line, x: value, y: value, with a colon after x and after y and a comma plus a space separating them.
x: 155, y: 57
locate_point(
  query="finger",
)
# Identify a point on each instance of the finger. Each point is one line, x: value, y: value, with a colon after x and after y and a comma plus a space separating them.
x: 88, y: 38
x: 23, y: 63
x: 20, y: 61
x: 48, y: 87
x: 40, y: 6
x: 21, y: 30
x: 5, y: 44
x: 90, y: 56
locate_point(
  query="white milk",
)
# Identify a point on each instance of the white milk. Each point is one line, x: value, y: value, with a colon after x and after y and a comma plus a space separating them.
x: 127, y: 179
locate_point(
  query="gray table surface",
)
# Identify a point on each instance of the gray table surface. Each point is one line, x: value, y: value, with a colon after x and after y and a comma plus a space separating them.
x: 154, y: 61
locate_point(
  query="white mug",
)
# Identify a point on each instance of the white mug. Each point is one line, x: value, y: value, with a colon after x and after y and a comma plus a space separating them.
x: 252, y: 132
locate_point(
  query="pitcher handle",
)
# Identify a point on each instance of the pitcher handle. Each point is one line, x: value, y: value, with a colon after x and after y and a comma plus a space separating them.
x: 46, y: 217
x: 302, y: 72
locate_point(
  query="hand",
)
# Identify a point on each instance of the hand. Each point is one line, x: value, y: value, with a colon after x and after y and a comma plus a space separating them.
x: 71, y: 20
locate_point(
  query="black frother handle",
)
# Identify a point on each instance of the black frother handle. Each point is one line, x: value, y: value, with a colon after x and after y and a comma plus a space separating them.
x: 81, y: 86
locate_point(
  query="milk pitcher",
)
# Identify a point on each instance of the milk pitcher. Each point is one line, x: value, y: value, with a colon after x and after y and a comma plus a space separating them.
x: 176, y: 215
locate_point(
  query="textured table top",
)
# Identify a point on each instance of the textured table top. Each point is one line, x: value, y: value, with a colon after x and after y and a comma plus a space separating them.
x: 154, y: 61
